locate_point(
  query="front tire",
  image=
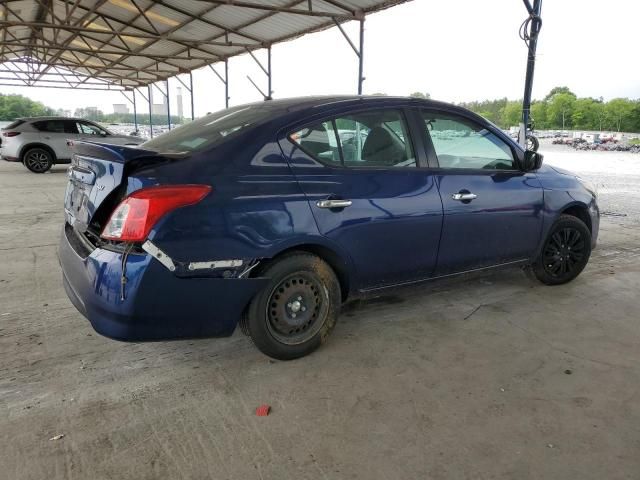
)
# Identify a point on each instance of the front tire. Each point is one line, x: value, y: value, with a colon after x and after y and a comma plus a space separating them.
x: 565, y: 252
x: 297, y: 310
x: 38, y: 160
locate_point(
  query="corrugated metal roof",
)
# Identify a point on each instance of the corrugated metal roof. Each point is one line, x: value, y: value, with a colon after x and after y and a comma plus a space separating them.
x: 124, y: 44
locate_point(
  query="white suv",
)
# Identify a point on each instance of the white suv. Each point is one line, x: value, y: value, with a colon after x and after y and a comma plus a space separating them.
x: 40, y: 142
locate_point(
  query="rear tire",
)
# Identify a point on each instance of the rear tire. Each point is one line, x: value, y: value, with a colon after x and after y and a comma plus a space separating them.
x: 565, y: 252
x: 297, y: 310
x: 38, y: 160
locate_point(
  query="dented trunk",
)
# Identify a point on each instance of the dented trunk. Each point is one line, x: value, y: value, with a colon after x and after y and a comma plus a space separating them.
x: 96, y: 175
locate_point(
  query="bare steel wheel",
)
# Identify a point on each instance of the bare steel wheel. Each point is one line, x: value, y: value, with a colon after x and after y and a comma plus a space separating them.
x: 297, y: 309
x: 38, y: 160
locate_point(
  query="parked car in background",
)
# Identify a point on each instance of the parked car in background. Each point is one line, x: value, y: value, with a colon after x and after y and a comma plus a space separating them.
x: 263, y: 215
x: 41, y: 142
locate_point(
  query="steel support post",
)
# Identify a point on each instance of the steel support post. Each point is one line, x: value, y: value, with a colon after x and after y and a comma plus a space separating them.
x: 191, y: 93
x: 269, y: 90
x: 361, y: 58
x: 132, y: 101
x: 226, y: 83
x: 224, y: 80
x: 529, y: 33
x: 166, y: 82
x: 135, y: 112
x: 267, y: 72
x: 150, y: 110
x: 359, y: 51
x: 189, y: 89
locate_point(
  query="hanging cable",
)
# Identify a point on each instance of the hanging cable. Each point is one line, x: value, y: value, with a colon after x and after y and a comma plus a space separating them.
x: 123, y: 277
x: 527, y: 27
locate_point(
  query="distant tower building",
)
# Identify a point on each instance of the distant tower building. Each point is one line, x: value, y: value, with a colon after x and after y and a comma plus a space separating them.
x: 120, y: 108
x: 158, y: 108
x: 180, y: 108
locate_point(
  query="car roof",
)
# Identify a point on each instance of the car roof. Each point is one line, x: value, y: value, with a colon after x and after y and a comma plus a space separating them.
x: 296, y: 103
x: 291, y: 109
x: 35, y: 119
x: 288, y: 105
x: 288, y: 110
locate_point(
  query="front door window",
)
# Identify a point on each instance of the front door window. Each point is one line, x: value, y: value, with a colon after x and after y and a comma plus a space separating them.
x: 460, y: 143
x: 89, y: 129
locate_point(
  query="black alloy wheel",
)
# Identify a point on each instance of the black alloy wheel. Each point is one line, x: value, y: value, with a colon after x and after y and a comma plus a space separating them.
x: 38, y: 160
x: 565, y: 253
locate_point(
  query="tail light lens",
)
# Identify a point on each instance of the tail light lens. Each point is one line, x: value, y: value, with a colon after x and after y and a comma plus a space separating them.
x: 136, y: 215
x: 10, y: 134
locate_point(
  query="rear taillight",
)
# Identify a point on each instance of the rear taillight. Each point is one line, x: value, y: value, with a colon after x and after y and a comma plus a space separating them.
x: 10, y: 134
x: 136, y: 215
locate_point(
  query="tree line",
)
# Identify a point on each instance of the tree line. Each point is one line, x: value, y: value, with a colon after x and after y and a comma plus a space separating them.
x: 16, y: 106
x: 143, y: 117
x: 560, y: 109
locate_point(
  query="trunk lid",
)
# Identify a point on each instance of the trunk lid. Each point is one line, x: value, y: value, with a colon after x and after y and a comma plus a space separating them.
x: 96, y: 172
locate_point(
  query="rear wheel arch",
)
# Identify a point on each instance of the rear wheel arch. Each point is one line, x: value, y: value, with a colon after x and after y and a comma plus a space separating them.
x: 297, y: 309
x: 44, y: 146
x: 330, y: 256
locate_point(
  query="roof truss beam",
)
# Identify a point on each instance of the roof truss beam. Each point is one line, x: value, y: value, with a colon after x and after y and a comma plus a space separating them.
x: 137, y: 42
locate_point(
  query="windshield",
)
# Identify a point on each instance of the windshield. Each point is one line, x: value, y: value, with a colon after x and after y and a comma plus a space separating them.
x: 208, y: 130
x: 93, y: 129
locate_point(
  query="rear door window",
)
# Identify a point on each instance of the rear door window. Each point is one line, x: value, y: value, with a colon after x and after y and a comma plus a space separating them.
x: 319, y: 141
x: 377, y: 138
x: 70, y: 127
x: 50, y: 126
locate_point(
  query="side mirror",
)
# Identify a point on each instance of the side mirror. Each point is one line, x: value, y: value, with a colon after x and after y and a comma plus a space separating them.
x: 531, y: 160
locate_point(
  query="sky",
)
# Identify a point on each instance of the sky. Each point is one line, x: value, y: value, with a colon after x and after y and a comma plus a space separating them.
x: 456, y: 50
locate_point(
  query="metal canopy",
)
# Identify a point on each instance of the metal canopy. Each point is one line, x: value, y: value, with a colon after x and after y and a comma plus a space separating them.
x: 125, y: 44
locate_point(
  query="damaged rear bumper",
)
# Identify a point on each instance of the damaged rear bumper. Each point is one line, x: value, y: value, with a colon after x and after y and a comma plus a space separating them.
x: 154, y: 303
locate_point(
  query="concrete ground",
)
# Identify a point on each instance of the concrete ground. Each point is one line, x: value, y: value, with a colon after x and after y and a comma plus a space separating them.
x: 493, y: 377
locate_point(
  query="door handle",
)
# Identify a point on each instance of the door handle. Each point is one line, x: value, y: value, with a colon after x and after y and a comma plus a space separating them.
x: 464, y: 197
x: 334, y: 203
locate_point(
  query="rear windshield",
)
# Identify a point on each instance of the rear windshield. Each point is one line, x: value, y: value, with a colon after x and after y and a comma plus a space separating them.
x: 15, y: 124
x: 209, y: 130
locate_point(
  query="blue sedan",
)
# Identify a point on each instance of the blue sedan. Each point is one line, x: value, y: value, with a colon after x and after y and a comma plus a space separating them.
x: 271, y: 215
